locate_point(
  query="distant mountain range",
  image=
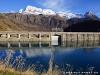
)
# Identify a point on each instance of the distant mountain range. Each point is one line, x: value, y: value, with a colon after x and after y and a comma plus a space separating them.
x: 37, y: 19
x: 39, y: 11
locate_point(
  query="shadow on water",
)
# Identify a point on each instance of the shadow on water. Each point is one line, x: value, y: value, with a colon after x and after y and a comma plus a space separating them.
x: 59, y: 40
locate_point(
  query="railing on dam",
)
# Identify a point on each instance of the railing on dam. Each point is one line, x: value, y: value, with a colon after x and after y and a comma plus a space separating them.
x: 46, y: 36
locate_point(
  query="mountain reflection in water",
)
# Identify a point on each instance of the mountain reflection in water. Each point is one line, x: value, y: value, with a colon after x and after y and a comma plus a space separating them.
x: 77, y: 54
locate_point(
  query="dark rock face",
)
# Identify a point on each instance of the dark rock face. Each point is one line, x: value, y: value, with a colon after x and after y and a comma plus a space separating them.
x: 87, y: 16
x: 85, y: 26
x: 75, y: 20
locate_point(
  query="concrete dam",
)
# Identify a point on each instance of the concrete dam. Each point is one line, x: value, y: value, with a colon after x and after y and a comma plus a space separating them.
x: 47, y: 39
x: 48, y: 36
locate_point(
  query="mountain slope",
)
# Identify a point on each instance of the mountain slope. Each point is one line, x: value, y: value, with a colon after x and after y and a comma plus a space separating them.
x: 8, y: 23
x: 30, y: 22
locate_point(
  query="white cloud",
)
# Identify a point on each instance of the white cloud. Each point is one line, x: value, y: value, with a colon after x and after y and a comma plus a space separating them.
x: 72, y: 6
x: 53, y: 3
x: 56, y: 5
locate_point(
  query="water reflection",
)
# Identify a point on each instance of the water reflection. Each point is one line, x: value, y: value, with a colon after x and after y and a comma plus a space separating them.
x: 70, y: 44
x: 78, y: 54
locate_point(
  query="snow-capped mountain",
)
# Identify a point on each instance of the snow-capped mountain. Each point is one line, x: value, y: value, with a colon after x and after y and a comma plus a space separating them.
x: 80, y: 16
x: 90, y: 15
x: 32, y: 10
x: 66, y: 15
x: 38, y: 11
x: 70, y: 15
x: 48, y: 12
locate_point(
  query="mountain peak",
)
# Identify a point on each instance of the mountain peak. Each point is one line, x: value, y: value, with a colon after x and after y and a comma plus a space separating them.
x: 36, y: 11
x: 32, y: 10
x: 29, y: 6
x: 90, y: 15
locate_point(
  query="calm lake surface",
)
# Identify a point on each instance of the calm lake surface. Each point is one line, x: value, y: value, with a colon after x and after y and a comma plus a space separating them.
x: 40, y: 53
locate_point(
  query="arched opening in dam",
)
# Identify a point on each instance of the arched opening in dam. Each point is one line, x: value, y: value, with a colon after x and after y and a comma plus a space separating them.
x: 14, y: 36
x: 3, y: 35
x: 24, y: 36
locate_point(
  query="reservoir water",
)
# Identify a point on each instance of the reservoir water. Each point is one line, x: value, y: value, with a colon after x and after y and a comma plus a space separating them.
x: 78, y: 56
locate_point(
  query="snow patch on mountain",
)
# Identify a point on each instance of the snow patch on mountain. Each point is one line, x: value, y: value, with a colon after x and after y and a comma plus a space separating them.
x: 89, y: 13
x: 66, y: 15
x: 48, y: 12
x: 70, y: 15
x: 20, y: 11
x: 32, y: 10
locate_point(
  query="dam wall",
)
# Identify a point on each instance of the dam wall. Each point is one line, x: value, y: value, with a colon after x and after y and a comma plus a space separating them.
x: 46, y: 36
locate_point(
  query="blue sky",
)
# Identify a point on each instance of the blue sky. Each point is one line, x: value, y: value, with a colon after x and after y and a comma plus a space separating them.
x: 74, y: 6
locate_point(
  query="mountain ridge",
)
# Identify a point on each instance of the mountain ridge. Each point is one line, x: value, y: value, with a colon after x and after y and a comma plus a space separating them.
x: 37, y: 11
x: 14, y: 21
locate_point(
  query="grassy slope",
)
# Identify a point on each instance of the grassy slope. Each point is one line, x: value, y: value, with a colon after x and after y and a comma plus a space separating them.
x: 6, y: 24
x: 9, y: 24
